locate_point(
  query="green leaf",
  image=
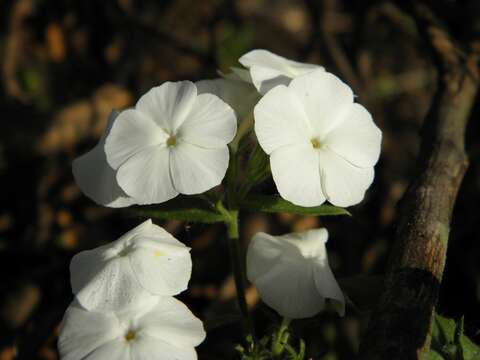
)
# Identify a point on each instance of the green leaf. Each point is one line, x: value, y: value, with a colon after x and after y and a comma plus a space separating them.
x: 275, y: 204
x: 258, y: 170
x: 189, y: 209
x: 450, y: 343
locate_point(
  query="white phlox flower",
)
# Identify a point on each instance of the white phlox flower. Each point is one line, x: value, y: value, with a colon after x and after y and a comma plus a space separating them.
x: 240, y: 95
x: 155, y: 328
x: 95, y: 176
x: 292, y: 274
x: 174, y: 141
x: 268, y: 70
x: 145, y: 260
x: 237, y: 74
x: 322, y: 145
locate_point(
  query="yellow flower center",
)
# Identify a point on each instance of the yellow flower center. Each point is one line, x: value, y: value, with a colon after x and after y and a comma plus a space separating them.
x: 130, y: 336
x: 316, y: 143
x: 172, y: 141
x: 157, y: 253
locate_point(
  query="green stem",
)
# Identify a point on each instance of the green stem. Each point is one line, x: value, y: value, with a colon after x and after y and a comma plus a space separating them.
x: 238, y: 265
x: 281, y: 338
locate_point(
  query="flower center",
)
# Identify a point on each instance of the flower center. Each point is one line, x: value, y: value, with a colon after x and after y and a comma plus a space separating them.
x: 316, y: 143
x: 172, y: 141
x: 130, y: 336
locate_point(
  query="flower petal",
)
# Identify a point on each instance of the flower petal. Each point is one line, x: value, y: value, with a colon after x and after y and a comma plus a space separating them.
x: 327, y: 285
x: 149, y: 348
x: 237, y: 74
x: 97, y: 180
x: 263, y: 253
x: 169, y: 104
x: 343, y: 183
x: 104, y: 284
x: 356, y: 138
x: 84, y: 331
x: 195, y: 170
x: 310, y: 243
x: 95, y: 176
x: 131, y: 133
x: 296, y: 174
x: 280, y: 120
x: 171, y: 321
x: 269, y: 70
x: 146, y: 176
x: 289, y: 288
x: 241, y: 96
x: 116, y: 349
x: 211, y: 123
x: 161, y: 270
x: 324, y: 98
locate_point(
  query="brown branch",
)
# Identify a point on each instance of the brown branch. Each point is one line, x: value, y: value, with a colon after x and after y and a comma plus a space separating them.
x: 400, y: 325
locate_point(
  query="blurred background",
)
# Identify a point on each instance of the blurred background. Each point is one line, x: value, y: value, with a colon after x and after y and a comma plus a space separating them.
x: 66, y: 64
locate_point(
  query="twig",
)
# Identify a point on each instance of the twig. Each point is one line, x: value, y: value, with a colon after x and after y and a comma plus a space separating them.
x: 400, y: 325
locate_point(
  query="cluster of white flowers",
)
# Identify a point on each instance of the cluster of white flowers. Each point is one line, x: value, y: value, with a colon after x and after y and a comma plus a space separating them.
x: 123, y: 307
x: 322, y: 147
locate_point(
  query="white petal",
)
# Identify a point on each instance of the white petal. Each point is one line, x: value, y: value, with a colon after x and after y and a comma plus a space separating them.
x: 148, y: 231
x: 84, y: 331
x: 237, y: 74
x: 310, y: 243
x: 131, y: 133
x: 324, y: 97
x: 211, y: 124
x: 97, y: 179
x: 296, y: 174
x: 146, y: 176
x: 265, y: 79
x: 356, y: 138
x: 161, y: 270
x: 148, y: 348
x: 343, y: 183
x: 280, y: 120
x: 263, y: 253
x: 241, y: 96
x: 116, y: 349
x: 169, y: 104
x: 171, y: 321
x: 327, y: 285
x: 95, y: 176
x: 195, y: 170
x: 289, y: 288
x: 269, y: 70
x: 104, y: 284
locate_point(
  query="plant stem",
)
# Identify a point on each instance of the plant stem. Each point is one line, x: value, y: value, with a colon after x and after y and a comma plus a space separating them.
x: 238, y: 265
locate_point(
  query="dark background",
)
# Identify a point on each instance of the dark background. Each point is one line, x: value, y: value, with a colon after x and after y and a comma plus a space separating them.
x: 66, y: 64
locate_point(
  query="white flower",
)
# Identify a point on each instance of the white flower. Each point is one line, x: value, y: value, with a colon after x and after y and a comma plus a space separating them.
x: 268, y: 70
x: 172, y: 142
x: 292, y: 274
x: 240, y: 95
x: 322, y: 145
x: 95, y: 176
x: 156, y: 328
x: 147, y: 259
x: 237, y: 74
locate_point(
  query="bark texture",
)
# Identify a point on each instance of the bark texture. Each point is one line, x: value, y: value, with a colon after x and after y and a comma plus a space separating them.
x: 400, y: 325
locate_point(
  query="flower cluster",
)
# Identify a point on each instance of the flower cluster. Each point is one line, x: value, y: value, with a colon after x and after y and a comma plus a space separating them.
x: 123, y: 307
x: 178, y: 139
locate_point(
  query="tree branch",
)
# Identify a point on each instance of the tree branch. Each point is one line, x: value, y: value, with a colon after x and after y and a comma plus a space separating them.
x: 400, y: 325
